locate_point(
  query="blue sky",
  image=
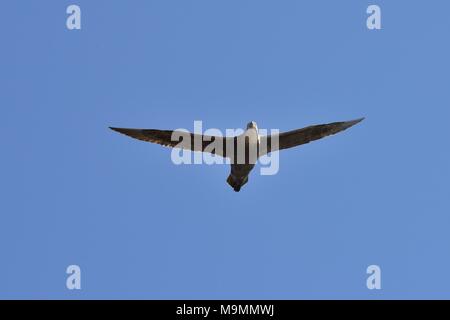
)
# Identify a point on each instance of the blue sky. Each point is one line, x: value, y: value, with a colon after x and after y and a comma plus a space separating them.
x: 74, y: 192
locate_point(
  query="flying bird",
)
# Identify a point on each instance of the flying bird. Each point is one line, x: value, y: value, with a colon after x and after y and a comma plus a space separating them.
x: 240, y: 150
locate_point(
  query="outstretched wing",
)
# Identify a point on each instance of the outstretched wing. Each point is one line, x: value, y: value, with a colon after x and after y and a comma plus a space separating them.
x: 178, y: 139
x: 305, y: 135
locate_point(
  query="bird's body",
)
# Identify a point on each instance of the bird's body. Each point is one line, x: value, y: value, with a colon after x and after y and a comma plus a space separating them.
x: 244, y: 150
x: 241, y: 169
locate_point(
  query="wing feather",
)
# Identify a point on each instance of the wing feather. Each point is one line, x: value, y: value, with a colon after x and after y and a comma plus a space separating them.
x: 171, y: 138
x: 305, y: 135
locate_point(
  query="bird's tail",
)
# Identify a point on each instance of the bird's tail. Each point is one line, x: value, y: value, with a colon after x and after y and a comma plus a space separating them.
x: 236, y: 183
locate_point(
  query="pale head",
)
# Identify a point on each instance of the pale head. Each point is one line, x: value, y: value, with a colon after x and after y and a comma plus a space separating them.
x: 252, y: 125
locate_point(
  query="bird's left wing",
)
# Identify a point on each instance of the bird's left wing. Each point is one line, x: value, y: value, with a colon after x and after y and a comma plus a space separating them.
x: 178, y: 139
x: 298, y: 137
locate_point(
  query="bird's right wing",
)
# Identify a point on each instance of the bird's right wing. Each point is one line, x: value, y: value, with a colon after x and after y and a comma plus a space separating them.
x: 178, y: 139
x: 305, y: 135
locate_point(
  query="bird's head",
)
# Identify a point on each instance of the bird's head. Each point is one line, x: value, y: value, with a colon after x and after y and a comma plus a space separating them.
x: 252, y: 125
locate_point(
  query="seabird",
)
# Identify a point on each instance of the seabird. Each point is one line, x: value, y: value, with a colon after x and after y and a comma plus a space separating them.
x: 241, y: 162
